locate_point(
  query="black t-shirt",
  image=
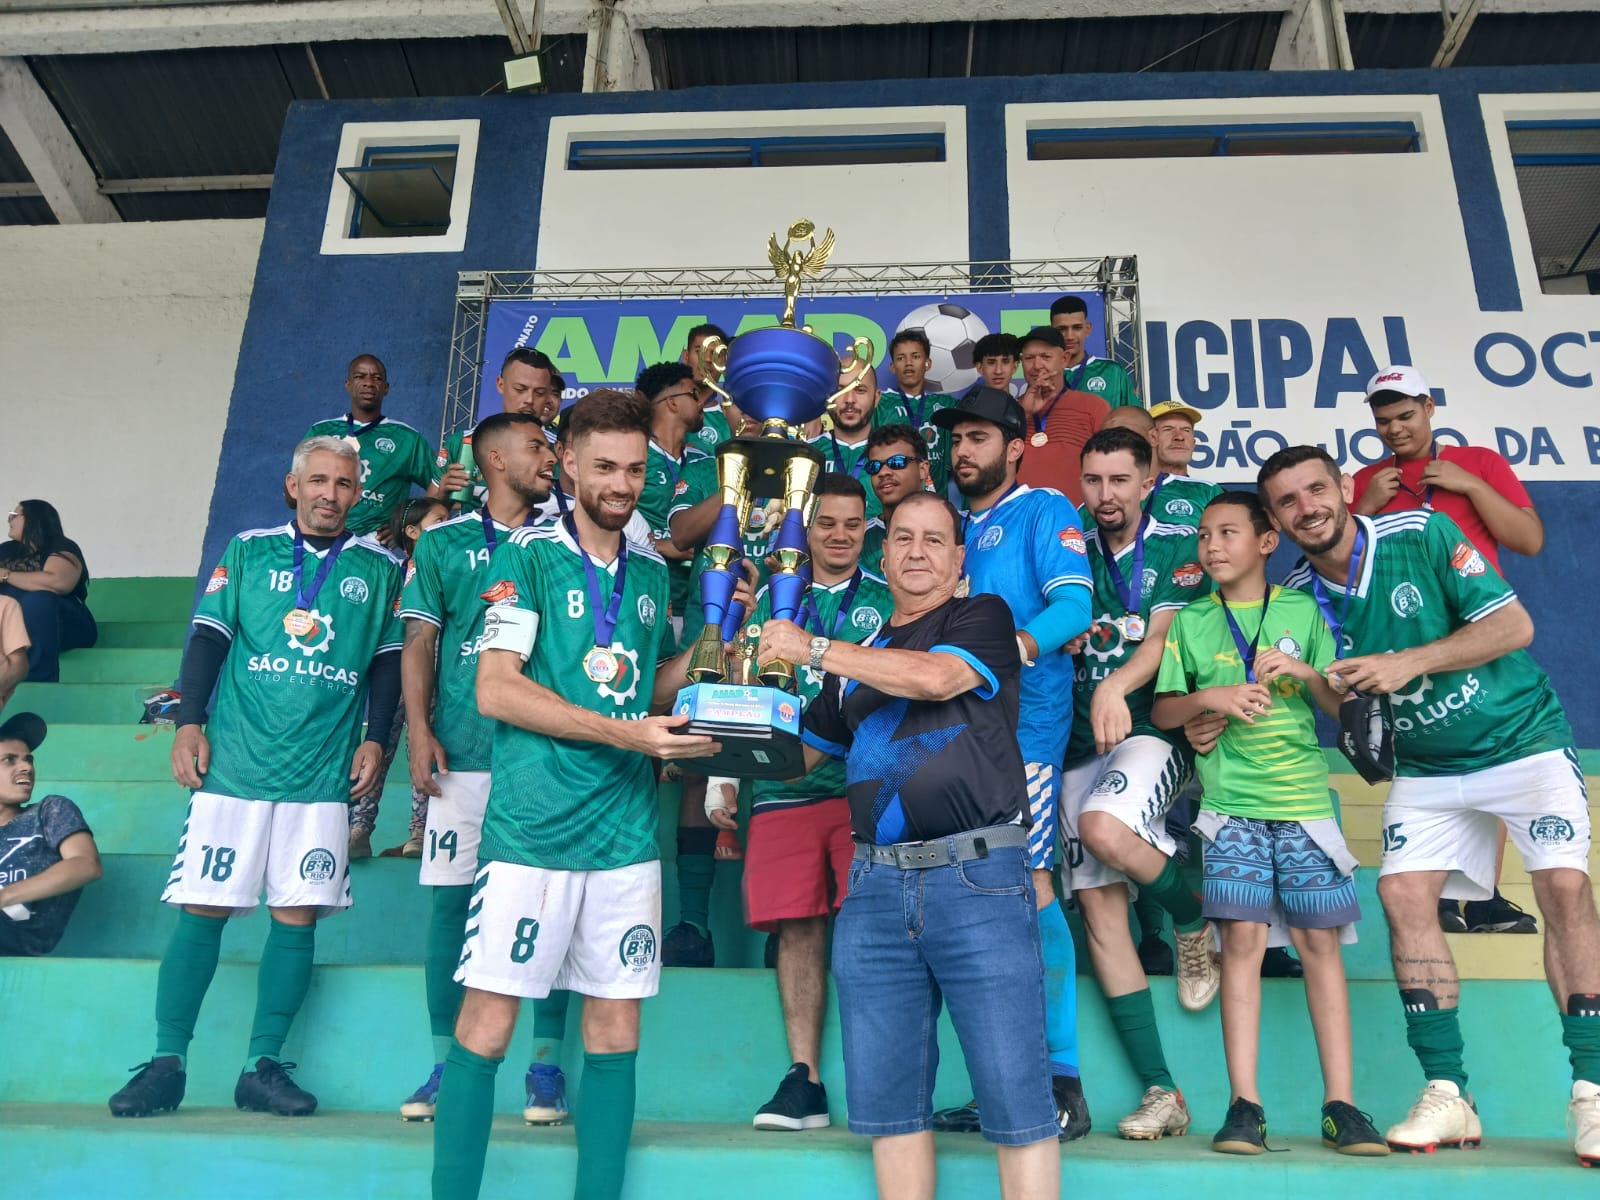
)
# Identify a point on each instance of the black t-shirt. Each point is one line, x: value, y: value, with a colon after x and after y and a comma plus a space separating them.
x: 920, y: 769
x: 19, y: 556
x: 29, y: 843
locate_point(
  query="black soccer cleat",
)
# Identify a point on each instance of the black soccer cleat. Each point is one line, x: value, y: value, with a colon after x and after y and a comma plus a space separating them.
x: 1072, y: 1110
x: 963, y: 1119
x: 685, y: 946
x: 1155, y: 956
x: 157, y: 1088
x: 1244, y: 1129
x: 269, y: 1089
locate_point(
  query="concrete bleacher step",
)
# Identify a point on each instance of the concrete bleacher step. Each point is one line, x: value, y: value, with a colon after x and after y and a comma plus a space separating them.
x: 64, y: 1151
x: 83, y: 703
x: 154, y: 668
x: 145, y: 598
x: 712, y: 1046
x: 137, y: 635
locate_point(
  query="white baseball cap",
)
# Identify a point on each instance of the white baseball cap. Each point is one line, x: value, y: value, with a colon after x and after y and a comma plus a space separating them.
x: 1407, y: 381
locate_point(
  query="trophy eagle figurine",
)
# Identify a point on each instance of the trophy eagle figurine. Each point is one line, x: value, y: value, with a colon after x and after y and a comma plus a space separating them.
x: 792, y: 266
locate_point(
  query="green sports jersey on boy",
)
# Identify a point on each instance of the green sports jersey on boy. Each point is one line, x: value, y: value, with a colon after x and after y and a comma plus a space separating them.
x: 1180, y: 499
x: 289, y: 709
x: 896, y: 408
x: 1420, y: 580
x: 393, y: 457
x: 1271, y: 769
x: 1104, y: 378
x: 1170, y: 578
x: 662, y: 474
x: 870, y: 605
x: 555, y: 803
x: 699, y: 481
x: 444, y: 587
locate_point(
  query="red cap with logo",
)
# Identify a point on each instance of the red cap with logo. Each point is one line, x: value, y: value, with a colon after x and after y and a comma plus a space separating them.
x: 1405, y: 381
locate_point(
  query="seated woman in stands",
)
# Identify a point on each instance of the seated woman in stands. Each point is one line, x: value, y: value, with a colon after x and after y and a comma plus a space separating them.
x: 43, y: 570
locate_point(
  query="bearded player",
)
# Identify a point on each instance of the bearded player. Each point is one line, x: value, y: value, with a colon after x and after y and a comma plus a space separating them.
x: 568, y: 889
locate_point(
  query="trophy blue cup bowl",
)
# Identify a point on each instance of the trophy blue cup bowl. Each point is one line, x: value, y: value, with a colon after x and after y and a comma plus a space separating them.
x: 781, y: 374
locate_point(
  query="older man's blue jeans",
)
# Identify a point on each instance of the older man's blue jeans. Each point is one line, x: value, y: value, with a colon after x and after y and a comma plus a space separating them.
x: 908, y: 941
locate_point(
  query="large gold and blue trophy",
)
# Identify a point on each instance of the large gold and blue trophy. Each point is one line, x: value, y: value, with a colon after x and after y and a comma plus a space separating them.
x: 781, y: 378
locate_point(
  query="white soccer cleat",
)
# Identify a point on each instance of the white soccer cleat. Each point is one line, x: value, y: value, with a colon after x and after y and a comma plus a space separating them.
x: 1441, y: 1116
x: 1583, y: 1122
x: 1161, y: 1113
x: 1199, y: 968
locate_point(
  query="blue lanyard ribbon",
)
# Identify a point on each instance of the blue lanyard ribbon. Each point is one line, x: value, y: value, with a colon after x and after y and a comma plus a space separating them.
x: 1041, y: 419
x: 920, y: 412
x: 605, y: 622
x: 351, y: 429
x: 676, y: 470
x: 811, y: 612
x: 490, y: 538
x: 971, y: 518
x: 1150, y: 500
x: 303, y: 597
x: 1352, y: 583
x: 838, y: 459
x: 1426, y: 495
x: 1129, y: 591
x: 1247, y: 650
x: 1072, y: 380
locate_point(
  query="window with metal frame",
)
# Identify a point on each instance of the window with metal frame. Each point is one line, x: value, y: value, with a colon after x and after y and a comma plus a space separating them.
x: 708, y: 153
x: 402, y: 191
x: 1558, y: 176
x: 1212, y: 140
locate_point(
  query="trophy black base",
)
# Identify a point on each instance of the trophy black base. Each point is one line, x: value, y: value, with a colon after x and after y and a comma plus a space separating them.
x: 758, y: 728
x: 769, y: 458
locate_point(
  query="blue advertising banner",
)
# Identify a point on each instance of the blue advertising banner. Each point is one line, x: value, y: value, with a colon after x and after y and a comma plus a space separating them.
x: 606, y: 343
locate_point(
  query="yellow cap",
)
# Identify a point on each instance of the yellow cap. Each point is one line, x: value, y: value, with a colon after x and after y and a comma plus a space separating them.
x: 1167, y: 407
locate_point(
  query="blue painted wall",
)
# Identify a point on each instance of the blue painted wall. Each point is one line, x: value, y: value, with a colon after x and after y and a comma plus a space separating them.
x: 311, y: 313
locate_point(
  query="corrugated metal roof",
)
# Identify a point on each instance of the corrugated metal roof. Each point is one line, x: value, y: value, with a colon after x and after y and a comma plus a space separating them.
x: 1398, y: 40
x: 25, y: 210
x: 12, y: 169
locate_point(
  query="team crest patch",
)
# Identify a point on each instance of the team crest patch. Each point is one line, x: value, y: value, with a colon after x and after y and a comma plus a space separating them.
x: 1147, y: 581
x: 1406, y: 600
x: 1287, y: 645
x: 1188, y: 575
x: 1071, y: 538
x: 867, y: 619
x: 504, y: 592
x: 637, y: 949
x: 384, y: 445
x: 218, y: 581
x: 1179, y: 507
x: 317, y: 866
x: 1551, y: 831
x: 647, y: 612
x: 990, y: 539
x: 1097, y: 384
x: 1467, y: 561
x: 1112, y: 783
x: 354, y: 590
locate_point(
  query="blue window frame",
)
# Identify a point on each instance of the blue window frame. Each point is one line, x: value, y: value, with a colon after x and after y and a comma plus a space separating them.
x: 708, y: 153
x: 402, y: 190
x: 1558, y: 177
x: 1226, y: 140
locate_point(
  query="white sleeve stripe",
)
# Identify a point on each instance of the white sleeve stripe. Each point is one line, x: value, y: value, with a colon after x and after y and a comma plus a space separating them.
x: 1167, y: 606
x: 388, y: 648
x: 1494, y: 605
x: 1081, y: 580
x: 211, y: 623
x: 416, y: 614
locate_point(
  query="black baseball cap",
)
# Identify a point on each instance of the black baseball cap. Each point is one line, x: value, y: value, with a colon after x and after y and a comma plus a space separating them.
x: 25, y: 727
x: 1048, y: 334
x: 985, y: 404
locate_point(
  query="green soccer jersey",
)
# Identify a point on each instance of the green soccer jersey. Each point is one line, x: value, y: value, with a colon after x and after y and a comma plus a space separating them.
x: 826, y: 615
x: 839, y: 455
x: 1420, y: 580
x: 556, y: 803
x: 699, y: 481
x: 713, y: 432
x: 289, y: 707
x: 1104, y: 378
x: 1170, y: 577
x: 662, y: 474
x: 896, y: 408
x: 872, y: 545
x: 444, y: 587
x: 1180, y: 499
x: 1271, y: 769
x: 393, y: 457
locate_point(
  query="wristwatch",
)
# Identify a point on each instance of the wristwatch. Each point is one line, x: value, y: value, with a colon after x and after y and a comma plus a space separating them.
x: 819, y: 647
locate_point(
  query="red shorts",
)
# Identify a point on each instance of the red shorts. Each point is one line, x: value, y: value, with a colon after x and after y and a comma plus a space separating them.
x: 796, y: 863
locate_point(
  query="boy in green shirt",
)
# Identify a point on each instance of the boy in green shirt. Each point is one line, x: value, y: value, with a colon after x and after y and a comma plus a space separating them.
x: 1273, y: 848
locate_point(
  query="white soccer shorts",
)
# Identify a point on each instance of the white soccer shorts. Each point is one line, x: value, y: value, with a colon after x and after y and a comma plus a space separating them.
x: 455, y: 826
x: 231, y: 850
x: 1137, y: 783
x: 531, y: 931
x: 1448, y: 822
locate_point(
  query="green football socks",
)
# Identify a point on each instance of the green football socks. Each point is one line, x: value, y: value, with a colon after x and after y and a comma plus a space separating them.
x: 604, y: 1118
x: 697, y: 865
x: 461, y: 1129
x: 1435, y: 1035
x: 1134, y: 1018
x: 186, y: 971
x: 549, y: 1028
x: 1172, y: 893
x: 447, y: 923
x: 1580, y: 1033
x: 281, y: 984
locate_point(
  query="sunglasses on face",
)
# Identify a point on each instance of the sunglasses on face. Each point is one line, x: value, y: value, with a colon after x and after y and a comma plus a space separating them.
x: 895, y: 462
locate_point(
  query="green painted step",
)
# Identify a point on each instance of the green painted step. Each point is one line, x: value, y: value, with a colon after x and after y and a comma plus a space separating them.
x: 61, y: 1151
x: 712, y: 1046
x: 129, y: 753
x: 133, y: 635
x: 157, y: 668
x: 146, y: 598
x: 83, y: 703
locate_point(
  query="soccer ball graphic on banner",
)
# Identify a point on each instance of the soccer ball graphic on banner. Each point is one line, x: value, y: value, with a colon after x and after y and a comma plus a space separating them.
x: 952, y: 331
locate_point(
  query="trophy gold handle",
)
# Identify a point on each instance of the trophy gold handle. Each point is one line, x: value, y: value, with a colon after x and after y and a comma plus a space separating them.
x: 861, y: 352
x: 711, y: 362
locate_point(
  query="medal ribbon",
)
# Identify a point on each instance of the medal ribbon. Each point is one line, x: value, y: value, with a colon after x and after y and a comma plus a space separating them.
x: 845, y: 602
x: 303, y: 598
x: 1129, y: 592
x: 1248, y: 650
x: 351, y: 429
x: 838, y: 459
x: 971, y: 518
x: 605, y: 622
x: 1040, y: 420
x: 676, y: 469
x: 1150, y: 500
x: 919, y: 412
x: 1324, y: 601
x: 490, y: 538
x: 1074, y: 379
x: 1426, y: 495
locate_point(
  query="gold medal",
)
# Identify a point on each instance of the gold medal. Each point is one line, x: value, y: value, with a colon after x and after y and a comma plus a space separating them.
x: 600, y: 665
x: 1039, y: 438
x: 298, y: 623
x: 1132, y: 626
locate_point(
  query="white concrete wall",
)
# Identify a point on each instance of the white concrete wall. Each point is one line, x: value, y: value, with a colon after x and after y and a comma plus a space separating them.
x: 118, y: 345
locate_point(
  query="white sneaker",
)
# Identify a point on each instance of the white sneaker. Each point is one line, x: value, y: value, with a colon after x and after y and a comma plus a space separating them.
x: 1160, y: 1113
x: 1441, y: 1116
x: 1199, y: 968
x: 1583, y: 1122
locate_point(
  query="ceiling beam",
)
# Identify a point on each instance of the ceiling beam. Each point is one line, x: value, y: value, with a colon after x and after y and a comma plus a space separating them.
x: 48, y: 149
x: 1455, y: 33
